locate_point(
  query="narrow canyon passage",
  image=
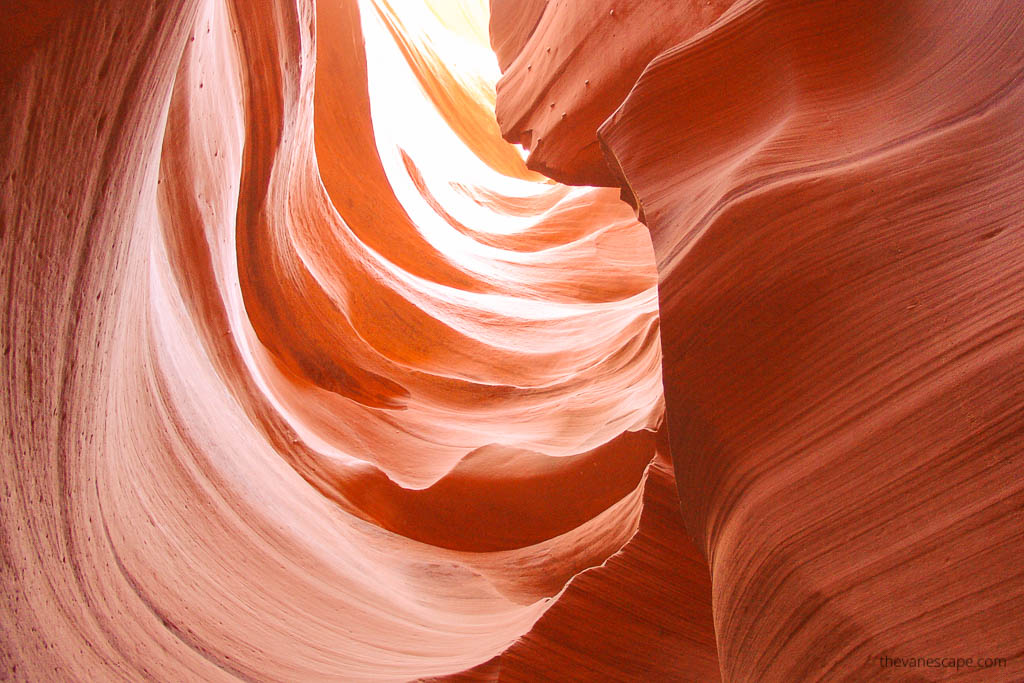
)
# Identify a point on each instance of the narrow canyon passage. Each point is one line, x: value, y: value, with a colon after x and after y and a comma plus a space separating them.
x: 532, y: 340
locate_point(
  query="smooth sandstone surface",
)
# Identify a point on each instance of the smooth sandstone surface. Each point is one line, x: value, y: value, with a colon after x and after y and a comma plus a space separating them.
x: 644, y: 615
x: 834, y: 192
x: 302, y: 382
x: 566, y: 75
x: 309, y: 375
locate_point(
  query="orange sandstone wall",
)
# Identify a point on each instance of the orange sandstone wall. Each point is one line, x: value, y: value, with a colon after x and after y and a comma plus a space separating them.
x: 286, y: 394
x: 834, y: 192
x: 308, y: 376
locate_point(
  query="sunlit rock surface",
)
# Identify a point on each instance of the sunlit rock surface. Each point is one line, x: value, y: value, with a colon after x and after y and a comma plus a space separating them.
x: 306, y: 375
x: 834, y: 191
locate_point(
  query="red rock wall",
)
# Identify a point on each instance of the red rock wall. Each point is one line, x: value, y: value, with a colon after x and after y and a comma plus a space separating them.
x: 257, y: 422
x: 834, y: 194
x: 308, y: 376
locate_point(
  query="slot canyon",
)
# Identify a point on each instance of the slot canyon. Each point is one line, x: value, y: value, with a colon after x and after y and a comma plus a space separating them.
x: 521, y: 340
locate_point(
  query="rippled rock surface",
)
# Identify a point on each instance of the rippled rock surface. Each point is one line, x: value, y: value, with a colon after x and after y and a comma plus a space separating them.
x: 309, y: 374
x: 834, y: 192
x: 306, y: 375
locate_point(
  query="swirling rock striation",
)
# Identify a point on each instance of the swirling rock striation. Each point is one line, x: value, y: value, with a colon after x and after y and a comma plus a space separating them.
x: 834, y: 192
x: 300, y: 381
x: 307, y: 375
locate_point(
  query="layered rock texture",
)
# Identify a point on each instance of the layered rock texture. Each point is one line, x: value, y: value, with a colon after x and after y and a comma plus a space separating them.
x: 834, y: 191
x: 309, y: 376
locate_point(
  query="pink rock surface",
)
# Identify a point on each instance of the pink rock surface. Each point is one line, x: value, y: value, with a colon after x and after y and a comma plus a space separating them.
x: 257, y: 423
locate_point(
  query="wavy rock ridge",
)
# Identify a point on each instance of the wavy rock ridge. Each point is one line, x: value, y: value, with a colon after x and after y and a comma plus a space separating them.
x: 302, y: 381
x: 308, y: 376
x: 834, y: 194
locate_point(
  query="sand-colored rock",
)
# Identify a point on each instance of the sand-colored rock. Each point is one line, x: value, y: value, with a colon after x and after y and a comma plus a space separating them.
x: 257, y: 422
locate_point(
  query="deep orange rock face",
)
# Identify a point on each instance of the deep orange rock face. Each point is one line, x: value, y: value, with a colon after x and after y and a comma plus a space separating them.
x: 834, y: 194
x: 564, y: 77
x: 308, y: 374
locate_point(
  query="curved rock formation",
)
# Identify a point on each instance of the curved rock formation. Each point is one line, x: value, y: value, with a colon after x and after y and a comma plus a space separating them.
x: 834, y: 194
x: 308, y: 374
x: 301, y: 381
